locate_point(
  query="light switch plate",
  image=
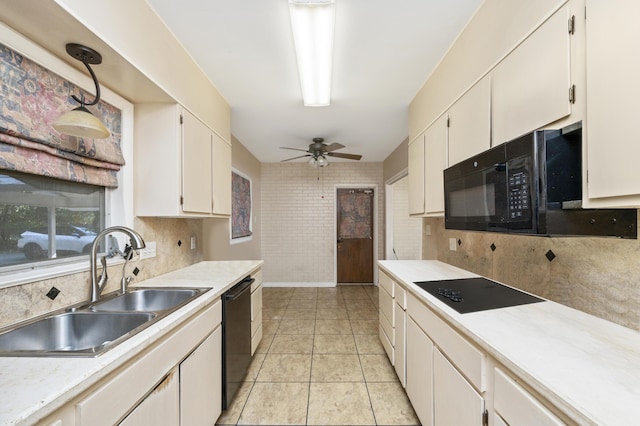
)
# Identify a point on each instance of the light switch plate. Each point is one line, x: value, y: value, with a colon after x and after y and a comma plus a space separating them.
x: 193, y: 243
x: 453, y: 243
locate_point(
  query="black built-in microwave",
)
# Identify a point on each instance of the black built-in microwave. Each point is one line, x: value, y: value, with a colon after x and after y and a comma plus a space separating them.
x: 530, y: 185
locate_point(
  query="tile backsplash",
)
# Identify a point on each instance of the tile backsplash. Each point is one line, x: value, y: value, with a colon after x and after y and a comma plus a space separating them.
x: 600, y: 276
x: 172, y: 238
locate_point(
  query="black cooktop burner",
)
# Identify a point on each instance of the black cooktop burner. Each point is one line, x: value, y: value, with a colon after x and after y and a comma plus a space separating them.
x: 476, y: 294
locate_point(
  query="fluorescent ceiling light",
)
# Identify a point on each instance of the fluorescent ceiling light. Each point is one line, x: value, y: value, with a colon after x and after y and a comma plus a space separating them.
x: 312, y: 22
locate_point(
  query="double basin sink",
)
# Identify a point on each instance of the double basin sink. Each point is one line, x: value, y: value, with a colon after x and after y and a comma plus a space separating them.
x: 90, y: 330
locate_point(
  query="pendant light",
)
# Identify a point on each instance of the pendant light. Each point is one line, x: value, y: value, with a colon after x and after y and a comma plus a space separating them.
x: 79, y: 121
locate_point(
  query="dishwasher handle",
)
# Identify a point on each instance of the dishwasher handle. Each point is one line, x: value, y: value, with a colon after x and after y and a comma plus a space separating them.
x: 239, y: 289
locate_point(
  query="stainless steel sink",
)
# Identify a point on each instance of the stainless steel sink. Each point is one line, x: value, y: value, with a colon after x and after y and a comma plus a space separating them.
x: 90, y: 330
x: 147, y: 299
x: 71, y: 333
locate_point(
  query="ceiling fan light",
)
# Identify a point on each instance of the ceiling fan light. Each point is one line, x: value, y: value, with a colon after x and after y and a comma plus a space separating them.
x: 322, y: 161
x: 312, y: 23
x: 81, y: 123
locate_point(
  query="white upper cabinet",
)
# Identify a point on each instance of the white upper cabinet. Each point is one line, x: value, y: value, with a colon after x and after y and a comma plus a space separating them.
x: 613, y: 102
x: 182, y: 168
x: 196, y: 165
x: 416, y: 176
x: 221, y: 186
x: 427, y: 160
x: 530, y: 87
x: 470, y: 122
x: 456, y: 135
x: 435, y: 161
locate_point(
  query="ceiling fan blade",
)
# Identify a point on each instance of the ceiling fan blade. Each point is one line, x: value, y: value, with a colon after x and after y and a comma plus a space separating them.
x: 333, y: 147
x: 295, y: 149
x: 347, y: 156
x: 295, y: 158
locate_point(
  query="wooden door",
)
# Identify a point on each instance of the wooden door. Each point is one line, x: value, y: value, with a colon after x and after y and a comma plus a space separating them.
x: 355, y: 235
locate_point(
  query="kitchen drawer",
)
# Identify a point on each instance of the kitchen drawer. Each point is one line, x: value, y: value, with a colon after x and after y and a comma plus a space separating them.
x: 386, y: 282
x: 386, y: 305
x: 388, y: 347
x: 388, y: 329
x: 517, y: 406
x: 465, y: 356
x: 258, y: 280
x: 256, y: 310
x: 255, y: 340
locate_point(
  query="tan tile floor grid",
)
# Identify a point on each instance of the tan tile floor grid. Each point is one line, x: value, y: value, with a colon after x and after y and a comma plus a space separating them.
x: 320, y: 362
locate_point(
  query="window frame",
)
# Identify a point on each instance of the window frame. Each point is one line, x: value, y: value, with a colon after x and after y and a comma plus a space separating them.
x: 118, y: 201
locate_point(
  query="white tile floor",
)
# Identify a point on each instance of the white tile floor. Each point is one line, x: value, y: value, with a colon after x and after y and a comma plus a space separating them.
x: 320, y: 362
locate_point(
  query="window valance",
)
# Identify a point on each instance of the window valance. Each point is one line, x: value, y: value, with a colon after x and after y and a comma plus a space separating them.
x: 31, y: 98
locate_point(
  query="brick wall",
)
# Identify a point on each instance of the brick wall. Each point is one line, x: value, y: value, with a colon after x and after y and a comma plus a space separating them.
x: 298, y: 217
x: 407, y: 231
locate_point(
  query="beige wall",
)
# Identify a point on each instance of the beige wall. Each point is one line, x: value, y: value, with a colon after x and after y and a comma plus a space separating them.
x: 397, y: 161
x: 298, y: 217
x: 216, y: 242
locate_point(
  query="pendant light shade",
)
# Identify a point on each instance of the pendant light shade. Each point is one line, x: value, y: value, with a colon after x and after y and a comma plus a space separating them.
x: 79, y: 121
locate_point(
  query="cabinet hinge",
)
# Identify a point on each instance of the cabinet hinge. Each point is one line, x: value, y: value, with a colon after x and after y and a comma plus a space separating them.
x: 181, y: 119
x: 485, y: 418
x: 572, y: 94
x: 448, y: 121
x: 572, y: 24
x: 181, y: 200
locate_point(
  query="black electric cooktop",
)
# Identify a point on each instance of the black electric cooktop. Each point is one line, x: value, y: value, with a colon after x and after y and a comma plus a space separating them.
x: 476, y: 294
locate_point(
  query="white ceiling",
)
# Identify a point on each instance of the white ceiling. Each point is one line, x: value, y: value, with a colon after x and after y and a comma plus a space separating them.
x: 384, y: 51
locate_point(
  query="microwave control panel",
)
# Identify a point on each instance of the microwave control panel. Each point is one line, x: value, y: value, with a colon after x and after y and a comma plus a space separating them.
x: 519, y: 195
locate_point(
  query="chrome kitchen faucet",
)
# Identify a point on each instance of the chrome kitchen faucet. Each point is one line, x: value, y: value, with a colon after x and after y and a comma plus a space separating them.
x: 98, y: 283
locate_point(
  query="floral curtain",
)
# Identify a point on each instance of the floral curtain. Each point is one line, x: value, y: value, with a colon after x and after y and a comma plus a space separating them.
x: 31, y: 98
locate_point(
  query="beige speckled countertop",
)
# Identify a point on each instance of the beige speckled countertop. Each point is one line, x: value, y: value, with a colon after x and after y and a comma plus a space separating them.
x: 31, y: 388
x: 586, y: 366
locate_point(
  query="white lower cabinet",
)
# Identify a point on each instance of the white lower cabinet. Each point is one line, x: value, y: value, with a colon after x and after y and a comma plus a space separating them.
x: 514, y: 405
x: 445, y: 372
x: 420, y: 372
x: 456, y: 402
x: 177, y: 381
x: 201, y: 383
x: 400, y: 348
x: 256, y: 312
x: 160, y: 407
x: 448, y: 377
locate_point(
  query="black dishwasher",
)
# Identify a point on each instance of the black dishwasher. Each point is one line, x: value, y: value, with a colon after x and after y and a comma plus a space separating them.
x: 236, y: 338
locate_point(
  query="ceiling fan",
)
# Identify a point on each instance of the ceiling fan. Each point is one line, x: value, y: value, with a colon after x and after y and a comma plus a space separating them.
x: 319, y: 151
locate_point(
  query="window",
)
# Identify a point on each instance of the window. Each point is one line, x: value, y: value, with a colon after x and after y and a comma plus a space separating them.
x: 43, y: 218
x: 102, y: 206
